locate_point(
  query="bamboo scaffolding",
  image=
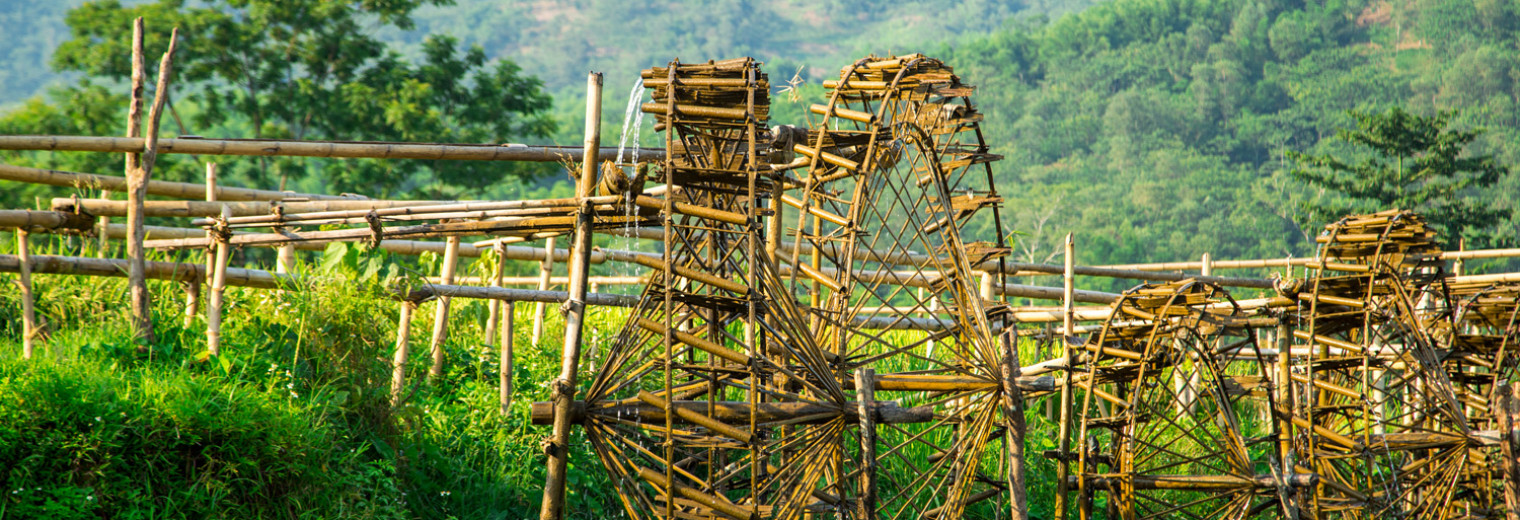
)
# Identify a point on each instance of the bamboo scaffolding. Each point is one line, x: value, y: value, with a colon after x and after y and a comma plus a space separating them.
x: 321, y: 149
x: 505, y: 372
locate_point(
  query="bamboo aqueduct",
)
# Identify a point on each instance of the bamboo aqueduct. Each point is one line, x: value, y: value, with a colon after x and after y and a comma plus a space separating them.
x: 831, y: 310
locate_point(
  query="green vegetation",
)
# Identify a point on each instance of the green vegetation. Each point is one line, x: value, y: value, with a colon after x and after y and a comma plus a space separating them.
x: 1159, y: 130
x: 1418, y: 164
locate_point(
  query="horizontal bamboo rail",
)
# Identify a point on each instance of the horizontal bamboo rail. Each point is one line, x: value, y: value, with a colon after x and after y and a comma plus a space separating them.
x: 330, y: 149
x: 191, y: 273
x: 175, y: 190
x: 198, y: 208
x: 533, y: 280
x: 1296, y: 262
x: 44, y: 221
x: 738, y: 412
x: 430, y: 291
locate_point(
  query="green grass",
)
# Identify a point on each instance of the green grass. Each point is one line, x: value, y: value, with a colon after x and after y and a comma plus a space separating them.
x: 291, y: 421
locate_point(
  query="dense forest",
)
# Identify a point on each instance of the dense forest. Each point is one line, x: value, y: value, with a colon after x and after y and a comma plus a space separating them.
x: 1155, y: 129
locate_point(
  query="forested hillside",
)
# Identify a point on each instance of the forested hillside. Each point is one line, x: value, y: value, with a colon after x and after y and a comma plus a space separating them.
x: 1157, y: 129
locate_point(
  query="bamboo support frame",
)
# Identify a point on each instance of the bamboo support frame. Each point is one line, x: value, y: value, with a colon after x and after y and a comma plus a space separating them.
x: 545, y: 272
x: 28, y: 306
x: 218, y: 293
x: 441, y: 311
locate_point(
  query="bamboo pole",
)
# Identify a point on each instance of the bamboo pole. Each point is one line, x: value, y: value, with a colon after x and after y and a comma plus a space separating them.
x: 563, y: 389
x: 214, y: 303
x: 398, y: 366
x: 426, y: 292
x: 1063, y: 466
x: 327, y: 149
x: 506, y: 357
x: 170, y: 189
x: 545, y: 272
x: 242, y: 209
x: 493, y: 307
x: 534, y: 280
x: 28, y: 309
x: 1013, y: 436
x: 142, y: 322
x: 441, y: 311
x: 45, y: 221
x: 210, y: 252
x: 1509, y: 429
x: 866, y: 404
x: 85, y: 266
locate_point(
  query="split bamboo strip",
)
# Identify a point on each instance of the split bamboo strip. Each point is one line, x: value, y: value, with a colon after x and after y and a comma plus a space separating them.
x: 85, y: 266
x: 28, y: 308
x: 441, y: 311
x: 329, y: 149
x: 170, y: 189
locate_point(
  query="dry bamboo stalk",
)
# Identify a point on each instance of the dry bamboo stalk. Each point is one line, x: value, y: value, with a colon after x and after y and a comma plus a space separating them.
x: 1063, y: 465
x: 398, y: 366
x: 575, y: 308
x: 85, y: 266
x: 210, y: 252
x: 214, y: 303
x: 426, y: 292
x: 545, y: 272
x: 533, y: 280
x: 28, y: 310
x: 355, y: 234
x: 137, y: 285
x: 170, y: 189
x: 45, y: 221
x: 102, y: 245
x: 506, y: 356
x: 737, y: 413
x: 1509, y: 448
x: 192, y: 301
x: 329, y: 149
x: 1013, y: 413
x: 441, y: 311
x: 430, y: 208
x: 196, y: 208
x: 493, y: 307
x: 866, y: 404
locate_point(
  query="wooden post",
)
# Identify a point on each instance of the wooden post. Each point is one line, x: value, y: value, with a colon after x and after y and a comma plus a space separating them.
x: 218, y: 291
x: 1509, y: 446
x: 545, y: 269
x: 865, y: 391
x: 506, y: 331
x: 398, y: 367
x: 493, y: 307
x: 28, y: 309
x: 1013, y: 413
x: 562, y: 390
x: 137, y: 284
x: 1063, y: 466
x: 441, y: 312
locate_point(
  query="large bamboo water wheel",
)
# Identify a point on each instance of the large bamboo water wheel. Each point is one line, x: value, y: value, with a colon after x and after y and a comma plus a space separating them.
x: 742, y: 385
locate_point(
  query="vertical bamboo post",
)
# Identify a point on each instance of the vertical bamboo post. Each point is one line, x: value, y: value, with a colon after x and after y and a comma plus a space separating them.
x: 563, y: 389
x: 137, y: 183
x: 1063, y: 467
x: 865, y: 391
x: 1509, y: 429
x: 1457, y: 267
x: 984, y: 288
x: 103, y: 226
x: 493, y: 307
x: 285, y: 262
x: 1285, y: 403
x: 398, y: 366
x: 1195, y: 376
x: 218, y: 288
x: 1013, y: 437
x: 545, y: 270
x: 441, y: 312
x: 193, y: 287
x: 28, y: 309
x: 506, y: 331
x: 192, y: 299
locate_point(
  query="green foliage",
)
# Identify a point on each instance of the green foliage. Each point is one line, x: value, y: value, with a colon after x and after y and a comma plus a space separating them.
x: 1415, y: 163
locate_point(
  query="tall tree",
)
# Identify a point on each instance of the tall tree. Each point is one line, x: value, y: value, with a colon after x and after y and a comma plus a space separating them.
x: 1413, y: 162
x: 311, y: 69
